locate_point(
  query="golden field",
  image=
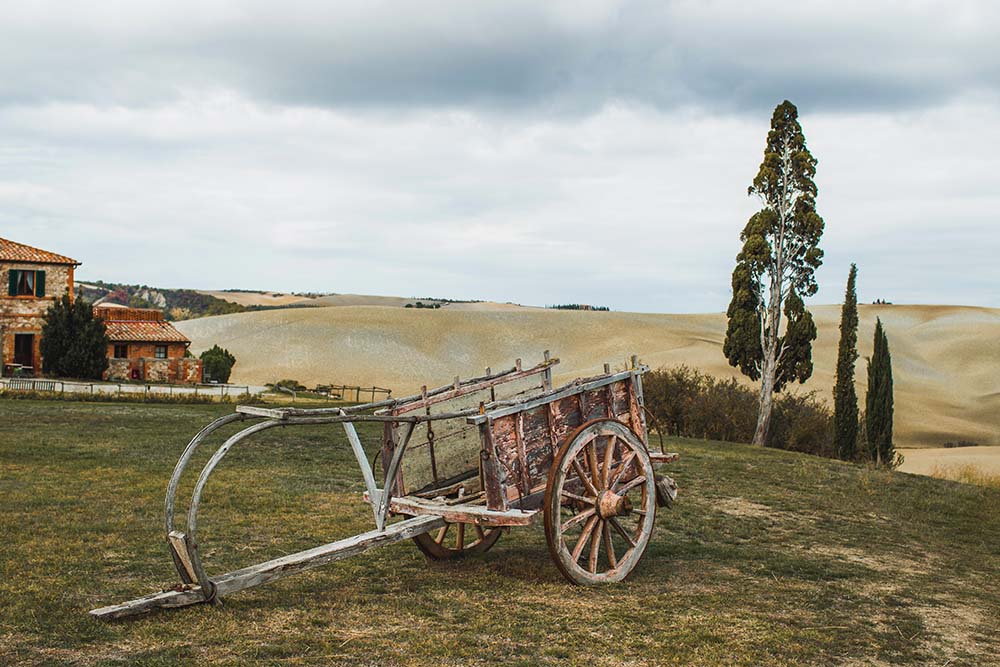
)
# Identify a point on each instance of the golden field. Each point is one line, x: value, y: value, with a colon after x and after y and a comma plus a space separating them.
x: 944, y: 357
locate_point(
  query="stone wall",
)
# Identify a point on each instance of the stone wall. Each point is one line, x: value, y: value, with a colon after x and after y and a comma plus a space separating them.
x: 176, y: 370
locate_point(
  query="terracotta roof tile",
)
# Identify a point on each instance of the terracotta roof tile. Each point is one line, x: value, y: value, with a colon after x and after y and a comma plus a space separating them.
x: 18, y: 252
x: 144, y: 332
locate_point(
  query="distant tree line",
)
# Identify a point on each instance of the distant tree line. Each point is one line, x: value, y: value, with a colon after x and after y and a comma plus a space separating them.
x: 176, y: 304
x: 578, y: 306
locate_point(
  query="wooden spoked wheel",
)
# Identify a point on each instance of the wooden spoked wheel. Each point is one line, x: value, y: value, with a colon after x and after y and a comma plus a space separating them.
x: 600, y: 503
x: 457, y: 540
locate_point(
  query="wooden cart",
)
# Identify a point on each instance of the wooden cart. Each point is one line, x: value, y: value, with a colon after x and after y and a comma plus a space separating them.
x: 461, y: 464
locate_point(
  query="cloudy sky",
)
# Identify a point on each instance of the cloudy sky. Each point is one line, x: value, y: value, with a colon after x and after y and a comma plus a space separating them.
x: 536, y: 152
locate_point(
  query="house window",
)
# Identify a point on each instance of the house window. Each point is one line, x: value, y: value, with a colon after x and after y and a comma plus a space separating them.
x: 161, y: 352
x: 121, y: 351
x: 26, y: 283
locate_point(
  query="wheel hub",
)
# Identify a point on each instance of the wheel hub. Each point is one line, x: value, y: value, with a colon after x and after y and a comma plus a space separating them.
x: 610, y: 504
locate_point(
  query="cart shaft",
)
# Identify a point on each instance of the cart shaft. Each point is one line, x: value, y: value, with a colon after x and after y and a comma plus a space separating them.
x: 278, y: 568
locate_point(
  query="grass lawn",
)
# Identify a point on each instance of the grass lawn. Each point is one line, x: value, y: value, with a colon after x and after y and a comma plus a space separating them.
x: 768, y: 558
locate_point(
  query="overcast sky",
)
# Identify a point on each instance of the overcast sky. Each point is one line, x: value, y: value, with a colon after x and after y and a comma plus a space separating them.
x: 536, y: 152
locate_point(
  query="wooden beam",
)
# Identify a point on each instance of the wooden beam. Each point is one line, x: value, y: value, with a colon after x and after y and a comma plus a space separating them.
x: 461, y: 513
x: 270, y: 413
x: 278, y: 568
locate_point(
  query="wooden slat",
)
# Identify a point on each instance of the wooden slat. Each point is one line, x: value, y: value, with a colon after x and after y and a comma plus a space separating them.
x: 570, y: 390
x: 461, y: 513
x: 163, y: 600
x: 496, y: 498
x: 270, y: 413
x: 178, y: 542
x: 522, y: 455
x: 471, y: 388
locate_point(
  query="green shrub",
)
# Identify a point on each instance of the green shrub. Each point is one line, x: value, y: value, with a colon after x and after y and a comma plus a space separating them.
x: 294, y: 385
x: 217, y: 364
x: 688, y: 403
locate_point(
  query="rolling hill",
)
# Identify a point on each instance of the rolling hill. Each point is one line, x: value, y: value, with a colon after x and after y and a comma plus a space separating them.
x: 944, y: 357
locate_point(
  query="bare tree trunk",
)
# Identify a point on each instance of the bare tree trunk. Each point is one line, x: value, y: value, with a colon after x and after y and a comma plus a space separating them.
x: 769, y: 345
x: 764, y: 414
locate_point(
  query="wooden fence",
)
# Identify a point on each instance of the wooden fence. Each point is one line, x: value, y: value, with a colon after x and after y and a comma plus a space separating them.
x: 121, y: 388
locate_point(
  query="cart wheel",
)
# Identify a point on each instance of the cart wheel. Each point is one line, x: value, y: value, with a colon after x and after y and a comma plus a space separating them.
x: 600, y: 503
x: 457, y: 540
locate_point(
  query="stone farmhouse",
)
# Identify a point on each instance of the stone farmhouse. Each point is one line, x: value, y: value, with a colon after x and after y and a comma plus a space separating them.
x: 143, y: 346
x: 146, y: 347
x: 31, y: 280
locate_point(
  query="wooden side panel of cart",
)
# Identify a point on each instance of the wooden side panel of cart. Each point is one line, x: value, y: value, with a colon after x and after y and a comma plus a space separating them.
x: 521, y: 442
x: 488, y: 389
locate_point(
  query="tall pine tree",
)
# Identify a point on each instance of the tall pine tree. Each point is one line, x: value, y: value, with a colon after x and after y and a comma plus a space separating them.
x: 775, y: 269
x: 878, y: 402
x: 845, y: 397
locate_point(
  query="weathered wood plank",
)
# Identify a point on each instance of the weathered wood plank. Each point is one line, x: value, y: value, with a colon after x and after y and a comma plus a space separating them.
x: 178, y: 542
x: 277, y: 568
x: 493, y: 481
x: 461, y: 513
x: 459, y: 389
x: 522, y: 455
x: 257, y: 411
x: 328, y: 553
x: 163, y: 600
x: 563, y: 392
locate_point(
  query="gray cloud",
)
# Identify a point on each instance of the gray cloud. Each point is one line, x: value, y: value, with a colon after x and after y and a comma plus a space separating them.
x: 569, y: 57
x: 534, y: 152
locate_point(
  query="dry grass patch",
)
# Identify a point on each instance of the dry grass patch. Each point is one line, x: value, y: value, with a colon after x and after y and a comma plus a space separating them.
x: 967, y: 473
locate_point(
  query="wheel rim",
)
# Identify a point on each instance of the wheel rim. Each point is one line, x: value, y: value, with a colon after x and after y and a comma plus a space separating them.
x: 600, y: 503
x: 457, y: 540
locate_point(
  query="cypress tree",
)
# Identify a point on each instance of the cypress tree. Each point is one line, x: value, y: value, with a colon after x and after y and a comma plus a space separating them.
x: 845, y: 397
x: 775, y: 269
x: 878, y: 402
x: 74, y: 343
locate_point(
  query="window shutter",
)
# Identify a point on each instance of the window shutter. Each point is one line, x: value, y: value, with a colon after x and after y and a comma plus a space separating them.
x: 12, y: 288
x: 39, y: 283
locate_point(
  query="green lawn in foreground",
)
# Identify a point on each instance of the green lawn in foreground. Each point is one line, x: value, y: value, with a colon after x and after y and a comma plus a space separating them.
x: 769, y: 558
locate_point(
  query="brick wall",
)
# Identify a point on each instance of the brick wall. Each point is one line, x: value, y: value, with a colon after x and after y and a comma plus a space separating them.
x: 140, y: 350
